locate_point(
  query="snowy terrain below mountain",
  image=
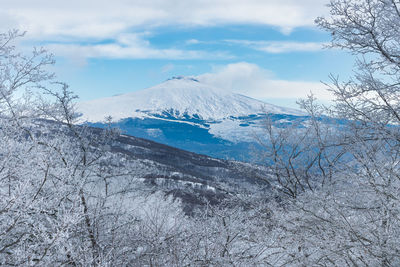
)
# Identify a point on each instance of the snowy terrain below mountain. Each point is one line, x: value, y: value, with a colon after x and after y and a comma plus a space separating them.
x: 188, y: 114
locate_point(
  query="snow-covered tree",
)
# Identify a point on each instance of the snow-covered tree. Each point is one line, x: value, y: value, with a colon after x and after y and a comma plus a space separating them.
x: 58, y: 185
x: 352, y: 218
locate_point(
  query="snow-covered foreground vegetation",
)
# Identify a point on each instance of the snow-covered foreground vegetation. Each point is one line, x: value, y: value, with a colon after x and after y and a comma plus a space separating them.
x: 67, y: 198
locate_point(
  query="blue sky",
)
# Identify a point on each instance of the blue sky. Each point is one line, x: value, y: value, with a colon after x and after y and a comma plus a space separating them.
x: 267, y: 49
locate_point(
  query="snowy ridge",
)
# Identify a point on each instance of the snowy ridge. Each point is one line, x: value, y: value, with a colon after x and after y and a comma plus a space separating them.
x: 181, y: 96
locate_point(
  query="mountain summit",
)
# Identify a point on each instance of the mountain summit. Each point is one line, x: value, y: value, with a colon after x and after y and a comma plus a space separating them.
x: 180, y: 97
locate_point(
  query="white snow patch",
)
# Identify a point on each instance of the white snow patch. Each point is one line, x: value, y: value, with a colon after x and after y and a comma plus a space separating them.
x: 231, y: 129
x: 154, y: 132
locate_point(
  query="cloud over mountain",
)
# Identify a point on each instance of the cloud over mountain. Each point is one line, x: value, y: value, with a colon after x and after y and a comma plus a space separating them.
x: 254, y: 81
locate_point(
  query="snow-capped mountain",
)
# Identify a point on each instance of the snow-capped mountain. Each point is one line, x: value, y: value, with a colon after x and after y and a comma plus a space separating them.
x: 188, y: 114
x: 183, y: 97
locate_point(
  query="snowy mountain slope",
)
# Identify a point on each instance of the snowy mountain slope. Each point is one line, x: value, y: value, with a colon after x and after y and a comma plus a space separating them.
x: 150, y: 166
x: 181, y: 97
x: 192, y: 177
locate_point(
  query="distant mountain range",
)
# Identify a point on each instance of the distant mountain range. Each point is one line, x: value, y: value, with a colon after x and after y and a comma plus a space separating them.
x: 187, y: 114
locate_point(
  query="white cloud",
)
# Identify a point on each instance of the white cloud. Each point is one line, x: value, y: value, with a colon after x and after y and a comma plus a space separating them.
x: 192, y: 42
x: 251, y: 80
x: 106, y: 19
x: 77, y: 27
x: 276, y: 47
x: 129, y: 46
